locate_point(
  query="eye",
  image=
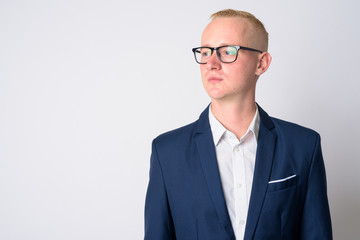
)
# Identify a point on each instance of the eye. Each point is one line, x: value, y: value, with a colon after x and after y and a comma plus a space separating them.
x: 205, y: 52
x: 230, y: 52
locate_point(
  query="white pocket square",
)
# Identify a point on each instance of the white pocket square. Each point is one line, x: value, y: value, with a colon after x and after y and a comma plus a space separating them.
x: 282, y: 180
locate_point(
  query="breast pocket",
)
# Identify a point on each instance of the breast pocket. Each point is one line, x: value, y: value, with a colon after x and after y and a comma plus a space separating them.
x: 281, y: 184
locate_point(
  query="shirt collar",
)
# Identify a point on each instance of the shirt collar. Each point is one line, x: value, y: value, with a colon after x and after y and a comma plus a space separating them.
x: 218, y: 130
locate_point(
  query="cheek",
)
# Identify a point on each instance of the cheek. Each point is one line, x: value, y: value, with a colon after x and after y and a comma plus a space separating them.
x: 240, y: 71
x: 203, y: 71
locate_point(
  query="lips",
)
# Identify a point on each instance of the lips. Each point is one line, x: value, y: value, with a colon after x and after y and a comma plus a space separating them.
x: 214, y: 79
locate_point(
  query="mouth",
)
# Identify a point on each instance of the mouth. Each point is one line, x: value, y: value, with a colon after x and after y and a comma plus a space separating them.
x: 214, y: 79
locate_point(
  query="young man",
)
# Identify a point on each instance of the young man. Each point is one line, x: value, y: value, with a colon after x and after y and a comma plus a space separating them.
x: 236, y: 173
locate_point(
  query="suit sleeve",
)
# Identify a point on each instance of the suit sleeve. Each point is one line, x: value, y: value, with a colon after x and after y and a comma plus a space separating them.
x: 316, y: 222
x: 158, y: 220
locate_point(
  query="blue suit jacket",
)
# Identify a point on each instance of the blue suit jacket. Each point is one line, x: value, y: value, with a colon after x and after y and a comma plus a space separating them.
x: 185, y: 199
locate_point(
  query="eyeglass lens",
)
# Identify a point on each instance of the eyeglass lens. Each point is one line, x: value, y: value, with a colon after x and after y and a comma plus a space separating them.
x: 227, y: 54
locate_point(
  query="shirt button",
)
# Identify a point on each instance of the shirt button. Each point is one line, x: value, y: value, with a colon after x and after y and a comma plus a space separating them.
x: 242, y: 222
x: 239, y: 185
x: 237, y: 148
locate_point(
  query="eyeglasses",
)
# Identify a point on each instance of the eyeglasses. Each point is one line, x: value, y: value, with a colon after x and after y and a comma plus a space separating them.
x: 226, y: 54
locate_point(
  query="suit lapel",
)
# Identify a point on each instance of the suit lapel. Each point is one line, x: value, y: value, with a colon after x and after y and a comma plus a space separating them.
x: 263, y: 164
x: 207, y: 155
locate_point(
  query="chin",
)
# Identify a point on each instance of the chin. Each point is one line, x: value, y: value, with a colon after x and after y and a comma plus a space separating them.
x: 214, y: 94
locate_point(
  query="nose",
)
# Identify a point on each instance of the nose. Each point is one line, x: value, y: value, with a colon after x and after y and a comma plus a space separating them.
x: 213, y: 63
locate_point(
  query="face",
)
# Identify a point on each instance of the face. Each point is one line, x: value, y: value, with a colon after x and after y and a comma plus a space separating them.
x: 230, y: 81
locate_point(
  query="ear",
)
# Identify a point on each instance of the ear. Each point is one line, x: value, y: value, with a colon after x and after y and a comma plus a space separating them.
x: 264, y: 63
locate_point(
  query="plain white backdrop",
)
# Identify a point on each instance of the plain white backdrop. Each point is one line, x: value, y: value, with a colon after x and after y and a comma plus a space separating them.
x: 86, y: 85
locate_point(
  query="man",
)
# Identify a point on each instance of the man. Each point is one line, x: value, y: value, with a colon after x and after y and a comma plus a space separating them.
x: 236, y: 173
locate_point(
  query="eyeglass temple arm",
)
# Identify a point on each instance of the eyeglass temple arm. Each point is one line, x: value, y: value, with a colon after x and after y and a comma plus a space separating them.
x: 250, y: 49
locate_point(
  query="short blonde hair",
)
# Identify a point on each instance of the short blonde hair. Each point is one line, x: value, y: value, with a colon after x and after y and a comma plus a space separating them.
x: 255, y: 23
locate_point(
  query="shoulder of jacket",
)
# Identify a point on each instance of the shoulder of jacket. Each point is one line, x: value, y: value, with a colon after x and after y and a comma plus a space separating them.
x: 179, y: 133
x: 293, y: 129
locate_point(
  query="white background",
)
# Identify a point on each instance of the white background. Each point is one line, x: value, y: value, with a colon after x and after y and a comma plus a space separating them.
x: 86, y: 85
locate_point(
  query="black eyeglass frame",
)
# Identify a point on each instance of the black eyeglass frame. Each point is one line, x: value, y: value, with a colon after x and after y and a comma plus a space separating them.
x: 218, y: 53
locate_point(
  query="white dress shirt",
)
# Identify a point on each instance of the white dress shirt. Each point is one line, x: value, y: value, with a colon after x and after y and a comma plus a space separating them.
x: 236, y: 161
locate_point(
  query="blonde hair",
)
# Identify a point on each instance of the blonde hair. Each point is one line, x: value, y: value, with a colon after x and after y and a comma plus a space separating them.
x: 255, y: 23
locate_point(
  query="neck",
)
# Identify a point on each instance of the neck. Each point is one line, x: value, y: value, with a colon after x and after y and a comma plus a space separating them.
x: 236, y: 116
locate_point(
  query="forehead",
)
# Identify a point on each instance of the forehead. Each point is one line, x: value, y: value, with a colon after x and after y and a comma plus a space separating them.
x: 226, y: 30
